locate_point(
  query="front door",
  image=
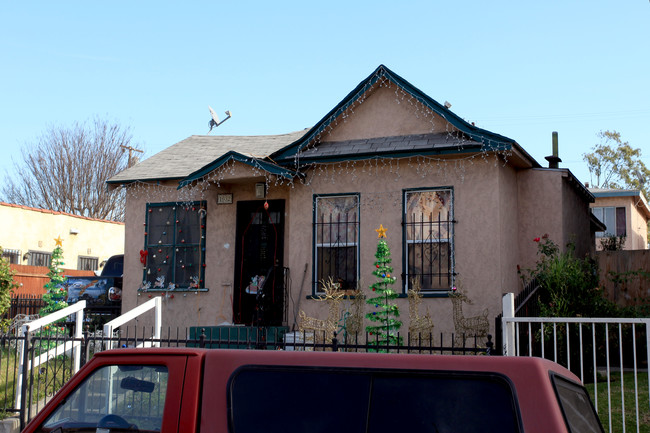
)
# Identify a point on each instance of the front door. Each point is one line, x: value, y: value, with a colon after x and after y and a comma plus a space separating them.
x: 259, y: 277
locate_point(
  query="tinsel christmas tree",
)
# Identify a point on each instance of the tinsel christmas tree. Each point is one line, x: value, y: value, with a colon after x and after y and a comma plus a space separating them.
x: 384, y: 331
x: 55, y: 296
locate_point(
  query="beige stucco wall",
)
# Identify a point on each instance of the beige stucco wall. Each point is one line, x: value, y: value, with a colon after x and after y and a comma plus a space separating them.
x: 386, y: 112
x: 550, y: 204
x: 35, y: 229
x: 636, y: 224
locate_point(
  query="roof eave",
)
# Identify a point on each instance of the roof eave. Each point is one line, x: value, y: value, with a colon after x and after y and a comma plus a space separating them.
x: 400, y: 154
x: 238, y: 157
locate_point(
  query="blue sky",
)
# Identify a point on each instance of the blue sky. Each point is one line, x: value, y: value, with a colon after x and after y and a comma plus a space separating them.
x: 516, y: 68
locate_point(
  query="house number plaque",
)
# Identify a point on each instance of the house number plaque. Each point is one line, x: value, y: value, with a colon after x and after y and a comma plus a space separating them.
x: 224, y: 198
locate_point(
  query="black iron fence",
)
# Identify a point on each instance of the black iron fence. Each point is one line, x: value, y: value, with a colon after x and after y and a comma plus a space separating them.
x: 38, y: 385
x: 25, y: 304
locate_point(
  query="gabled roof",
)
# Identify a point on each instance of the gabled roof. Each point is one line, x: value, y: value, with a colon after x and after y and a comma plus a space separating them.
x: 485, y: 139
x: 198, y: 155
x: 198, y: 151
x: 250, y: 160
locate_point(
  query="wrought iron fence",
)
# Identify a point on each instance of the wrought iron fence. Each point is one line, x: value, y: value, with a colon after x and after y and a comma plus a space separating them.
x: 26, y: 304
x: 40, y: 384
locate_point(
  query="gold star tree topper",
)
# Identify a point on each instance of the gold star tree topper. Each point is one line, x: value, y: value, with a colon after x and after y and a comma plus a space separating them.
x: 381, y: 231
x: 59, y: 241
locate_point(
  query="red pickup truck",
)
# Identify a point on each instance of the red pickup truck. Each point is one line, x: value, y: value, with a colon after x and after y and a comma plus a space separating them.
x: 241, y: 391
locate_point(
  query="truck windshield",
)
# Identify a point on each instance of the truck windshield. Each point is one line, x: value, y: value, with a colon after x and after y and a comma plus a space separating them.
x: 115, y: 397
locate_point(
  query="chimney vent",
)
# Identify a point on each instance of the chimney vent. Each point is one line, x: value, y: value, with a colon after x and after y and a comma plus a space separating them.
x: 554, y: 159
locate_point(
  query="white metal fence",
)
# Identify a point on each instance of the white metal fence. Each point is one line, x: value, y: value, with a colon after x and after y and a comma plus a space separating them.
x: 603, y: 352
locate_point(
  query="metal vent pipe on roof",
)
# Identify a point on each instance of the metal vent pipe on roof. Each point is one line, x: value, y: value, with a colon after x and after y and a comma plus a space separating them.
x: 554, y: 159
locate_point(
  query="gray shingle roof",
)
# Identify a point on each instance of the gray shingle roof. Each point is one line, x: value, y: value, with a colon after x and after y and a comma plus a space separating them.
x: 197, y: 151
x: 413, y: 144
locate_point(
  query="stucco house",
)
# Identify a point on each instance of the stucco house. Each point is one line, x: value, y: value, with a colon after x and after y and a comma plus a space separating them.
x: 244, y: 229
x: 28, y: 238
x: 624, y: 212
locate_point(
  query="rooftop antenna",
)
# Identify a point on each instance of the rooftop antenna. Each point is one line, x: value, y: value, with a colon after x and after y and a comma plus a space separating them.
x: 214, y: 122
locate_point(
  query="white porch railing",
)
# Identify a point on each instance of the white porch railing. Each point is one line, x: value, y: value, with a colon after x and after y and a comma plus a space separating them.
x: 155, y: 304
x: 558, y: 339
x: 74, y: 345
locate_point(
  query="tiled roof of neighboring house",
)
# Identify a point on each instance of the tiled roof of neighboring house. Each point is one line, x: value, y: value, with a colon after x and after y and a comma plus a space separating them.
x: 370, y: 147
x: 198, y: 151
x: 54, y: 212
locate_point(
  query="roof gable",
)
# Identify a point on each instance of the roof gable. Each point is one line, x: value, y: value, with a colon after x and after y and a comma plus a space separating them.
x: 383, y: 77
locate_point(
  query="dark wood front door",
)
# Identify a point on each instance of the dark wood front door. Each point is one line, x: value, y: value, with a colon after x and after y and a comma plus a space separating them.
x: 259, y: 277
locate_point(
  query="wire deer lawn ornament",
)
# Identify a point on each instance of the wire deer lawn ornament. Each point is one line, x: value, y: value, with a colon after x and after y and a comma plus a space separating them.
x: 324, y: 329
x: 353, y: 319
x: 420, y: 327
x: 466, y: 327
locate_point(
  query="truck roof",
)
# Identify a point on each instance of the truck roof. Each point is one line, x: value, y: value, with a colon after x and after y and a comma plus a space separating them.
x: 507, y: 365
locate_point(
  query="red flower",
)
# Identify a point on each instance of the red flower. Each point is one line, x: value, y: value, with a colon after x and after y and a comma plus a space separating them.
x: 536, y: 239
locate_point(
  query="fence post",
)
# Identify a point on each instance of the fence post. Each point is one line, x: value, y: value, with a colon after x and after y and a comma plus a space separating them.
x: 78, y: 334
x: 23, y: 377
x: 507, y: 327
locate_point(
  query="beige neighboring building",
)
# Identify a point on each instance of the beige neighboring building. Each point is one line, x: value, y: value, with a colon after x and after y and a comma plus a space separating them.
x: 244, y: 229
x: 29, y: 234
x: 625, y: 212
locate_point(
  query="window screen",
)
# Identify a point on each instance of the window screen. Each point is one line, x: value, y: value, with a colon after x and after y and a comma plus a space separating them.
x: 336, y: 232
x: 428, y: 230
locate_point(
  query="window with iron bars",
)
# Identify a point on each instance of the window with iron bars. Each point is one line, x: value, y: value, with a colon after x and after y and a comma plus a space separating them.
x: 336, y: 241
x: 12, y: 256
x: 88, y: 263
x: 39, y: 258
x: 175, y: 245
x: 429, y: 242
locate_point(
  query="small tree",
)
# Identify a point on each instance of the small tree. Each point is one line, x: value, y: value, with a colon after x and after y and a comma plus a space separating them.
x: 569, y: 284
x: 612, y: 243
x: 385, y: 331
x: 55, y: 296
x: 7, y: 285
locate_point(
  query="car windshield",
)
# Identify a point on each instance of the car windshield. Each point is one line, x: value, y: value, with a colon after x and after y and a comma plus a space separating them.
x: 115, y: 397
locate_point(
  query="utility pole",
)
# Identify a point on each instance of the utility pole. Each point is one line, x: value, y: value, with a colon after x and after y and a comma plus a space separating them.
x: 131, y: 150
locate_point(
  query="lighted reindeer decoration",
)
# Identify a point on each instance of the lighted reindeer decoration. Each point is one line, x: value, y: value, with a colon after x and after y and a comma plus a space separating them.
x: 324, y: 329
x: 466, y: 327
x: 420, y: 327
x: 353, y: 325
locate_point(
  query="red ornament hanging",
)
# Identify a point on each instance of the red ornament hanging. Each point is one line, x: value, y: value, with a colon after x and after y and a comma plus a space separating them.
x: 143, y: 256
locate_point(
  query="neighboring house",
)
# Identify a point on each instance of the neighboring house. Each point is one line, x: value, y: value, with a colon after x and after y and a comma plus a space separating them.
x: 29, y: 234
x: 246, y: 228
x: 624, y: 212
